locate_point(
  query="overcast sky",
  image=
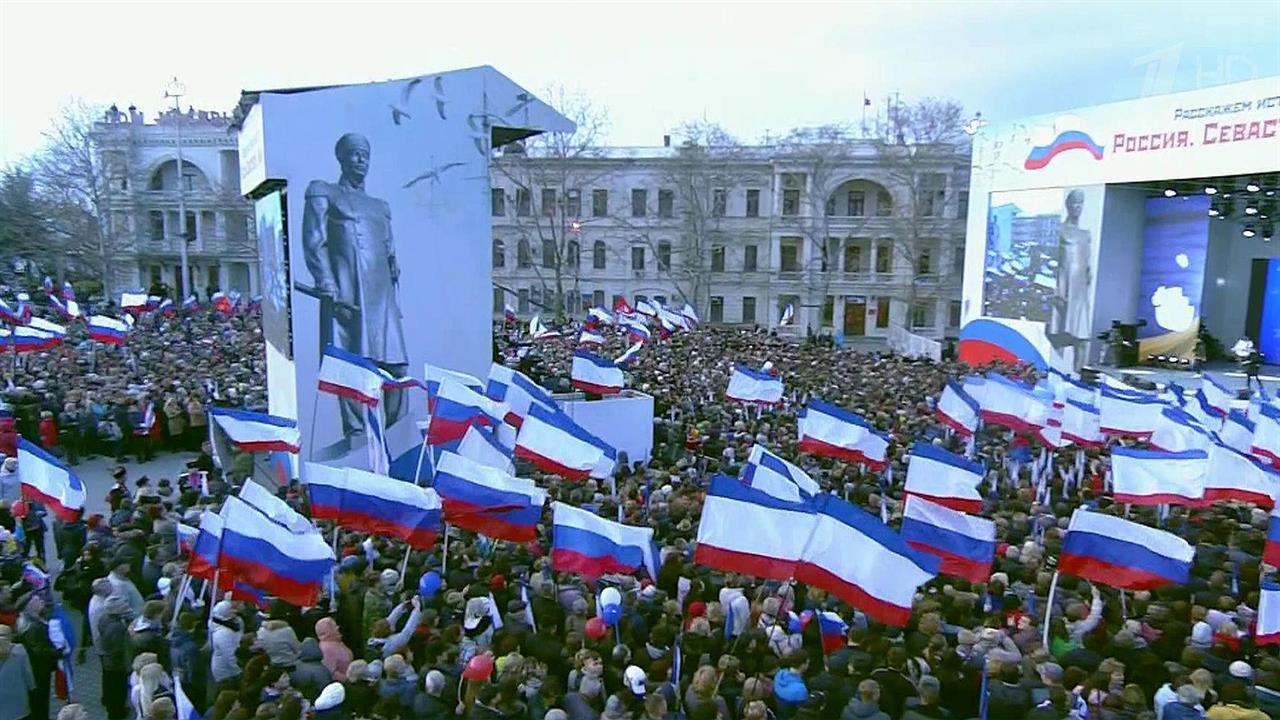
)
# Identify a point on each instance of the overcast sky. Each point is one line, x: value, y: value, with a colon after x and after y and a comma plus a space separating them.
x: 752, y: 67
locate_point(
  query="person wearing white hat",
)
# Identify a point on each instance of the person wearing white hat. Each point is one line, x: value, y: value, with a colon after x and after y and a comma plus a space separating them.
x: 225, y: 641
x: 329, y: 703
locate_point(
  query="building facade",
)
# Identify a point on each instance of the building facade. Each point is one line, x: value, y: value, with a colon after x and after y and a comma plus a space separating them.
x: 144, y: 189
x: 857, y: 237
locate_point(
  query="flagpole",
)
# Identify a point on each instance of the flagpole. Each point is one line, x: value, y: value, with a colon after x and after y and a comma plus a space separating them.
x: 1048, y: 608
x: 444, y: 557
x: 213, y: 597
x: 182, y: 595
x: 333, y: 572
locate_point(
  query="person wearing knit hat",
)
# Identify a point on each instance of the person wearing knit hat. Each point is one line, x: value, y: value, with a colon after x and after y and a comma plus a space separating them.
x: 329, y: 703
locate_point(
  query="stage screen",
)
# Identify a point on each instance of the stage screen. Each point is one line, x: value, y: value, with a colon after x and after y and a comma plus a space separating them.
x: 1041, y: 255
x: 1268, y: 334
x: 1175, y: 242
x: 273, y: 254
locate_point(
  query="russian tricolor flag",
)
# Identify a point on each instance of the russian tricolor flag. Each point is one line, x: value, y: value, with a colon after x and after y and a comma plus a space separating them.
x: 1232, y: 475
x: 484, y: 447
x: 517, y: 391
x: 1268, y: 630
x: 594, y: 374
x: 187, y: 536
x: 207, y: 546
x: 944, y: 478
x: 291, y: 566
x: 834, y: 631
x: 108, y: 330
x: 1176, y: 430
x: 592, y: 546
x: 28, y: 338
x: 46, y: 480
x: 590, y: 338
x: 456, y: 407
x: 637, y: 332
x: 746, y: 530
x: 69, y: 309
x: 1266, y: 434
x: 834, y: 432
x: 771, y: 474
x: 1151, y: 477
x: 760, y: 387
x: 191, y: 304
x: 630, y: 354
x: 432, y: 376
x: 1216, y: 395
x: 1271, y: 549
x: 351, y: 376
x: 600, y: 315
x: 958, y: 410
x: 1113, y: 551
x: 274, y: 509
x: 1081, y: 424
x: 257, y: 432
x: 488, y: 501
x: 1131, y: 414
x: 965, y: 543
x: 375, y: 504
x: 854, y: 556
x: 548, y: 440
x: 1237, y: 431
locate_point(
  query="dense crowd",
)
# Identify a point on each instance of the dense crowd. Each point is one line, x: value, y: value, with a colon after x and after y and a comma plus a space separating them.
x: 505, y: 636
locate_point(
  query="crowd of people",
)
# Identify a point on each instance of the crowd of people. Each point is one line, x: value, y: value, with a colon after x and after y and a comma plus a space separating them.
x: 506, y: 636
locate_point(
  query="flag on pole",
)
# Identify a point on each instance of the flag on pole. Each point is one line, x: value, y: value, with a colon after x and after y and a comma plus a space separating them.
x: 773, y: 475
x: 48, y: 481
x: 757, y: 387
x: 630, y: 354
x: 965, y: 543
x: 108, y: 330
x: 591, y: 546
x: 1216, y: 395
x: 549, y: 441
x: 1266, y: 434
x: 1123, y: 554
x: 594, y: 374
x: 291, y: 566
x: 944, y: 478
x: 1232, y: 475
x: 1150, y: 477
x: 1268, y: 629
x: 487, y: 500
x: 1237, y: 431
x: 778, y: 531
x: 831, y: 431
x: 958, y: 410
x: 375, y: 504
x: 257, y: 432
x: 350, y: 376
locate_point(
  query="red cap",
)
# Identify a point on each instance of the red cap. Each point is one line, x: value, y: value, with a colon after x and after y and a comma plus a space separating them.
x: 497, y: 582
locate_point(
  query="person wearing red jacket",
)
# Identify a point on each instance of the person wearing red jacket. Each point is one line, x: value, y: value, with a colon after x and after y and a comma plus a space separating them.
x: 8, y: 437
x: 48, y: 431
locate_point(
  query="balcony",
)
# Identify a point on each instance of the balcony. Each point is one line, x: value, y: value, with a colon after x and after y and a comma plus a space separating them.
x: 144, y: 243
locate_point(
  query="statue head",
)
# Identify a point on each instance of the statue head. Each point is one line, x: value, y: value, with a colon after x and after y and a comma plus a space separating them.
x: 352, y: 151
x: 1075, y: 204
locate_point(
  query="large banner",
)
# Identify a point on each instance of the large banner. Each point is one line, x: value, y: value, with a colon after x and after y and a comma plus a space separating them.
x: 389, y: 236
x: 1175, y: 243
x: 1040, y: 263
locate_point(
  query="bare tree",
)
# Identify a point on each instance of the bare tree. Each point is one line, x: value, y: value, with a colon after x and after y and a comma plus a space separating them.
x: 704, y: 168
x: 550, y: 172
x: 74, y: 184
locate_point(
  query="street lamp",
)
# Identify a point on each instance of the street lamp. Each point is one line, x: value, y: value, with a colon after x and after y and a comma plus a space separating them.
x: 176, y: 90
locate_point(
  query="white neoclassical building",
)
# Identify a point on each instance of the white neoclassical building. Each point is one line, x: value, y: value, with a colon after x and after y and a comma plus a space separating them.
x: 856, y: 237
x: 139, y: 166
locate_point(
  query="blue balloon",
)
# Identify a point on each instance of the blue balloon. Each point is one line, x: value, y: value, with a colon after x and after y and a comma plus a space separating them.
x: 429, y: 584
x: 611, y: 614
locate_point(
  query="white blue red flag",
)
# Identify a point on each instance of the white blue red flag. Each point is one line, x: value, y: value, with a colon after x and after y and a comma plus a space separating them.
x: 68, y: 293
x: 1215, y: 395
x: 134, y: 302
x: 749, y: 531
x: 594, y: 374
x: 965, y: 543
x: 48, y: 284
x: 548, y: 440
x: 591, y: 546
x: 518, y: 392
x: 291, y: 566
x: 432, y: 375
x: 1266, y: 434
x: 590, y: 338
x: 487, y: 500
x: 1237, y: 431
x: 1151, y: 477
x: 836, y: 555
x: 257, y: 432
x: 1128, y: 414
x: 108, y: 330
x: 690, y: 316
x: 958, y: 410
x: 350, y: 376
x: 48, y: 481
x: 68, y: 309
x: 191, y: 304
x: 1081, y: 424
x: 538, y: 331
x: 182, y: 703
x: 275, y: 509
x: 835, y: 432
x: 207, y: 547
x: 769, y: 473
x: 757, y: 387
x: 482, y: 446
x: 628, y: 355
x: 1268, y: 629
x: 1009, y: 403
x: 509, y: 314
x: 600, y: 316
x: 456, y: 407
x: 1233, y: 475
x: 1113, y: 551
x: 637, y: 332
x: 1177, y: 430
x: 28, y: 338
x: 944, y: 478
x: 374, y: 504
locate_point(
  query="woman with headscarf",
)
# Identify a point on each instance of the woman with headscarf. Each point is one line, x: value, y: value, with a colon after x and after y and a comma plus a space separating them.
x: 336, y: 655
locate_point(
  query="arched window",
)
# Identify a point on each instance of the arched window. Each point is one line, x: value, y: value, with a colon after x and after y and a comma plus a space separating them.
x: 166, y: 177
x: 573, y: 252
x: 523, y: 257
x: 597, y: 255
x: 499, y: 254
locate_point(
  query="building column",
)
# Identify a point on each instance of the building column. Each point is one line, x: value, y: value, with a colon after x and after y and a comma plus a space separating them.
x: 222, y: 276
x: 254, y: 285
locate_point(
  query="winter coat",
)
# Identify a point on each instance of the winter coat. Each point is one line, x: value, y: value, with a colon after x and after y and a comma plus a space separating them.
x: 1231, y: 712
x: 48, y: 433
x: 1177, y: 711
x: 184, y: 656
x: 430, y: 707
x: 310, y: 676
x: 225, y: 641
x: 337, y: 656
x: 18, y: 680
x: 278, y: 640
x: 113, y: 643
x: 8, y: 438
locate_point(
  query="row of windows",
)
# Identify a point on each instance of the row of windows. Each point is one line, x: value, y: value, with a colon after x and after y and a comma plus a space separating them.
x: 571, y: 204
